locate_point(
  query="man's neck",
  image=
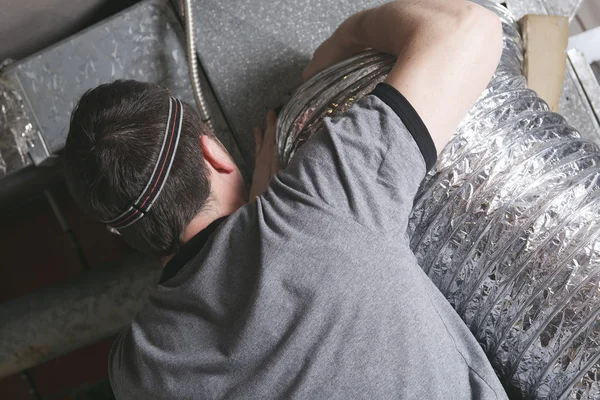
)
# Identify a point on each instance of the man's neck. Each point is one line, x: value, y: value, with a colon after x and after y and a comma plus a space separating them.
x: 206, y: 217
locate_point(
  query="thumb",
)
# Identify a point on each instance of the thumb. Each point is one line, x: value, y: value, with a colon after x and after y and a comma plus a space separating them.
x: 275, y: 164
x: 258, y: 139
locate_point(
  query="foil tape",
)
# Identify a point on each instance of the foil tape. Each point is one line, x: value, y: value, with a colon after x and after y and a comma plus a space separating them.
x: 16, y: 130
x: 506, y: 224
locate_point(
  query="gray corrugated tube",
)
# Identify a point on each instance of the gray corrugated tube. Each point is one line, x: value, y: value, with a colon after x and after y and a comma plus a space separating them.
x: 506, y: 224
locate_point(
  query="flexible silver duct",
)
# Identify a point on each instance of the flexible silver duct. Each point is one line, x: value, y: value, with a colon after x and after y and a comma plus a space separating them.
x: 193, y: 64
x: 506, y: 225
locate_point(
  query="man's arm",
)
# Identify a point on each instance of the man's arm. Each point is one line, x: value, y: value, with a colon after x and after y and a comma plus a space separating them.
x: 447, y: 52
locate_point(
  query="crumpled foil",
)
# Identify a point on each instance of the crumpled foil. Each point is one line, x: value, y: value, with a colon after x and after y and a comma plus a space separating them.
x: 16, y: 130
x: 331, y: 91
x: 506, y: 224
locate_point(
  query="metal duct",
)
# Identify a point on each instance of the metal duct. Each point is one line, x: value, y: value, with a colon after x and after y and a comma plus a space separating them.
x: 46, y: 324
x: 16, y: 129
x: 506, y: 224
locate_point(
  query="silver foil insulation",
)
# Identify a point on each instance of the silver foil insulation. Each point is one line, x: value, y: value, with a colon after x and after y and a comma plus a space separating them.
x: 506, y: 224
x: 16, y: 130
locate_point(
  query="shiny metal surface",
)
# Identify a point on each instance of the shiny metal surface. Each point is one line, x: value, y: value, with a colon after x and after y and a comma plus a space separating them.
x: 144, y: 42
x: 519, y: 8
x: 328, y: 93
x: 192, y: 58
x: 575, y: 105
x: 589, y: 82
x: 27, y: 26
x: 253, y: 52
x: 17, y: 130
x: 54, y: 321
x: 506, y: 224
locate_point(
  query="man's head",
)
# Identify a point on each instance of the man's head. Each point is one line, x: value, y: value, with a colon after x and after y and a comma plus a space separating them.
x: 114, y: 142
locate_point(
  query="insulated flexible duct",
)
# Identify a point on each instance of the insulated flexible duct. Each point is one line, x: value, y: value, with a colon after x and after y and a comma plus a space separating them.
x: 506, y: 224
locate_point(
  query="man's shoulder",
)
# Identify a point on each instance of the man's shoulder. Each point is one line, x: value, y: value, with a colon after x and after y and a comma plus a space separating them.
x: 120, y: 363
x: 135, y: 368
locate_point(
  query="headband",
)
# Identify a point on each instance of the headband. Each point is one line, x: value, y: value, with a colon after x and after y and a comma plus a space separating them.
x: 160, y: 173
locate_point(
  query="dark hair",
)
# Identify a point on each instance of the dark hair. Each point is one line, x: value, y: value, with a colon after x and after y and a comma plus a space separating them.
x: 114, y: 139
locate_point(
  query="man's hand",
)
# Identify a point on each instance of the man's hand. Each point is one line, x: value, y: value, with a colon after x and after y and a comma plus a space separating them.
x: 266, y: 158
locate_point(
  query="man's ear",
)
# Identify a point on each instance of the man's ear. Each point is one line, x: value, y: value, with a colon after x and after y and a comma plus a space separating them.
x: 216, y: 156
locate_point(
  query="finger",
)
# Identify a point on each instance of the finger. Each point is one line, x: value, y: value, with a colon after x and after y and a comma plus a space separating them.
x: 275, y: 165
x: 307, y: 73
x: 271, y: 119
x: 269, y: 137
x: 258, y: 139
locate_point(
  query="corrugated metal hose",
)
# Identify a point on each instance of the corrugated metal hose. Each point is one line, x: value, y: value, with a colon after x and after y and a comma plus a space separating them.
x: 192, y: 58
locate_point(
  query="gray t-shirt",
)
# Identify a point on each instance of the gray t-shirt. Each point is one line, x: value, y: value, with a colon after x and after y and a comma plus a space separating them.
x: 311, y: 292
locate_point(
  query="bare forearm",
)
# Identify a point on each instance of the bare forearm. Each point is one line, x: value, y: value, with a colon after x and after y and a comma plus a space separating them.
x: 390, y: 27
x: 447, y: 52
x: 442, y: 68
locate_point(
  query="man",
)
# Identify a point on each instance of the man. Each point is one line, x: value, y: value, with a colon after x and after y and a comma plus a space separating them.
x: 310, y: 290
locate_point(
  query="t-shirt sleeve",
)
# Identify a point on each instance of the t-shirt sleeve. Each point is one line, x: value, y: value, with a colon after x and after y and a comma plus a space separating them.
x: 366, y: 164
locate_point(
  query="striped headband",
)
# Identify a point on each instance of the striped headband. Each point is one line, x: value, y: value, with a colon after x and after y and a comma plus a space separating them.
x: 161, y: 170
